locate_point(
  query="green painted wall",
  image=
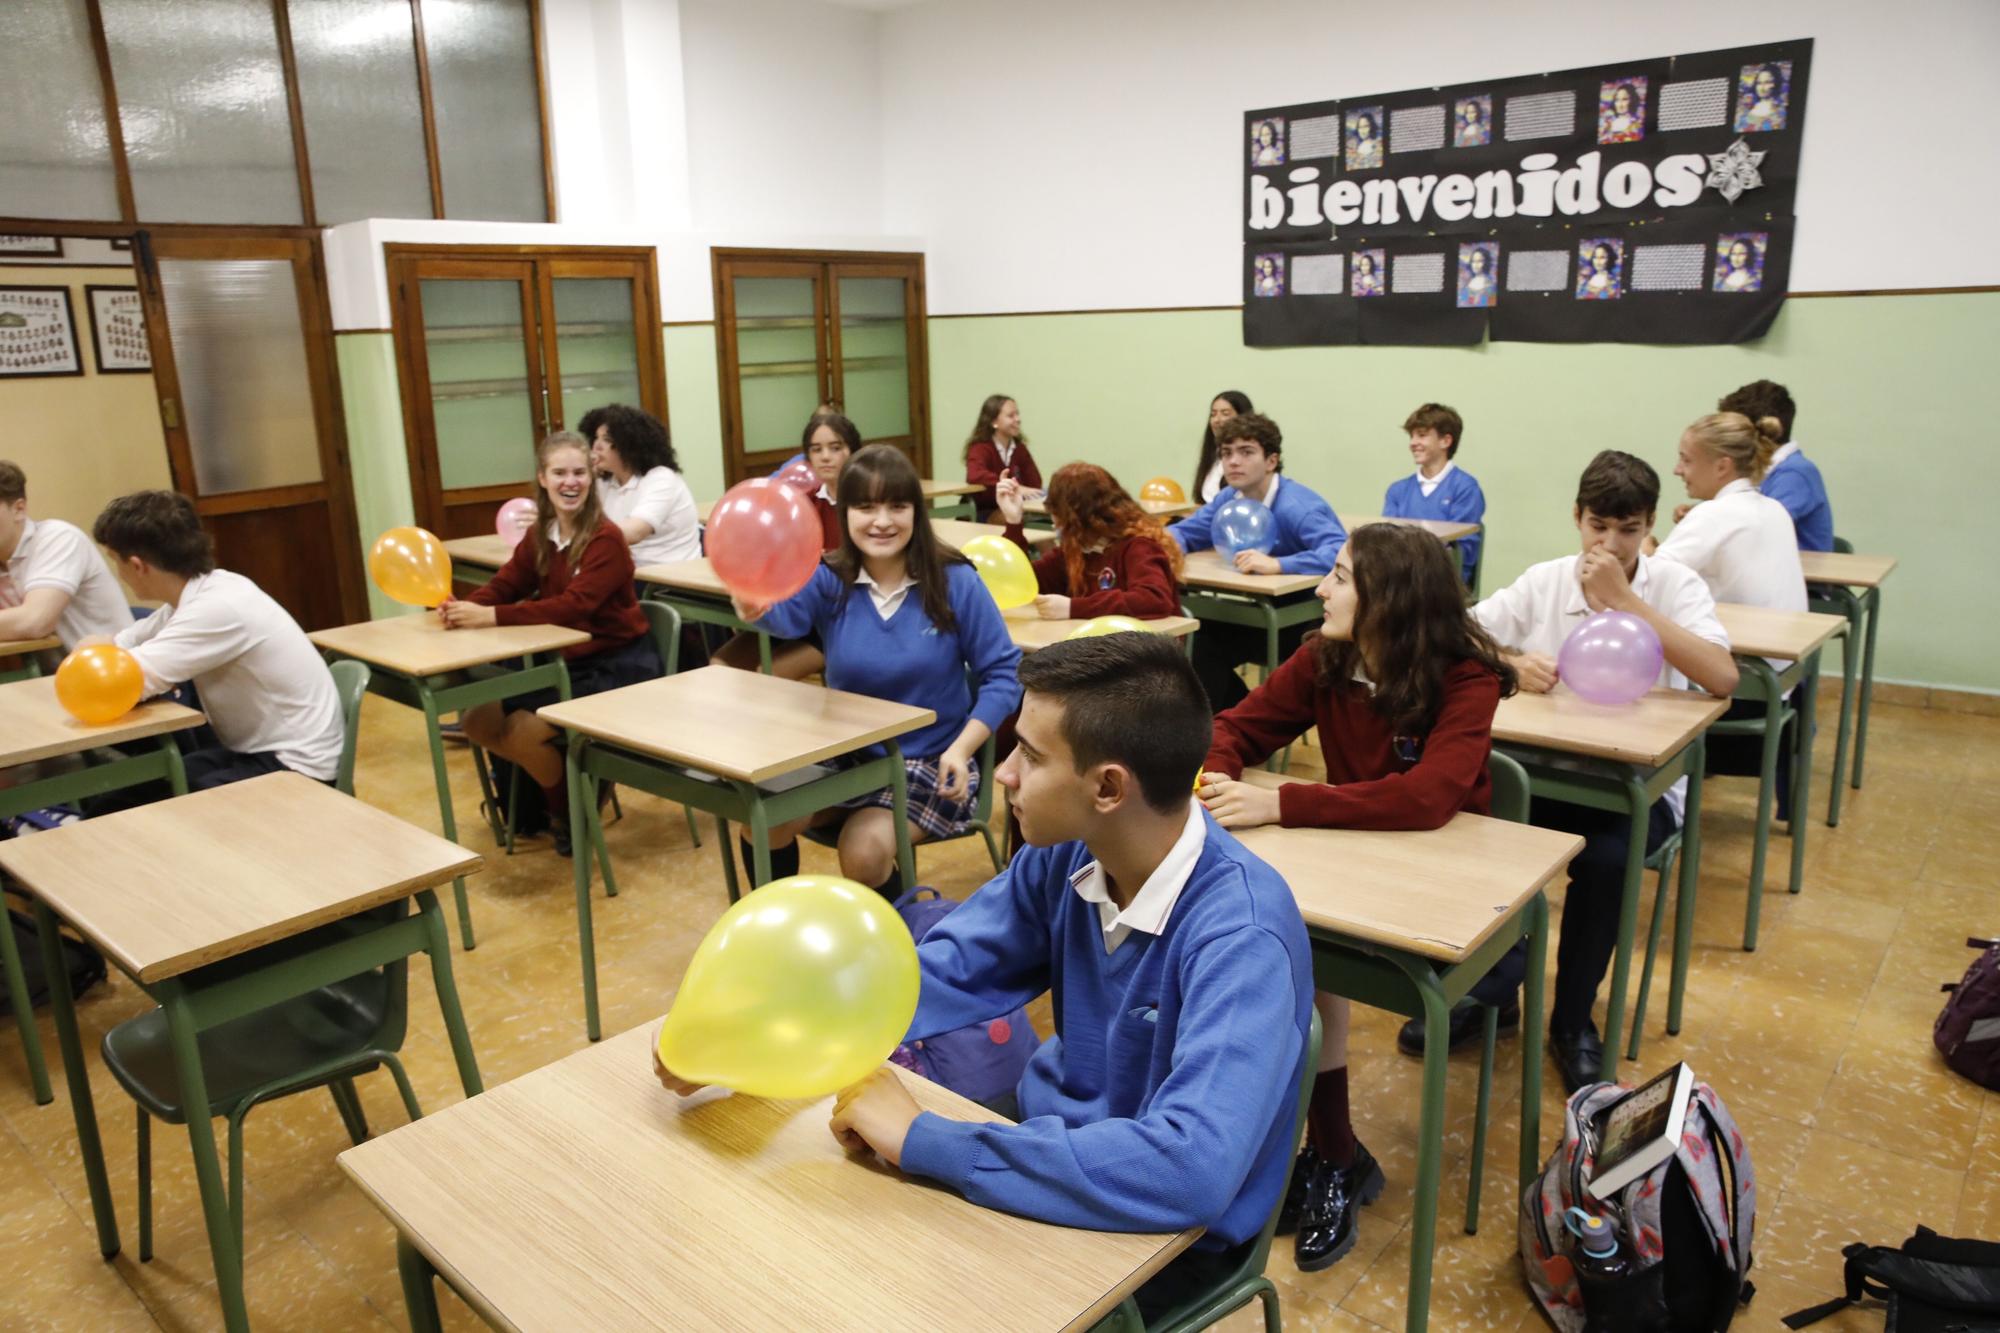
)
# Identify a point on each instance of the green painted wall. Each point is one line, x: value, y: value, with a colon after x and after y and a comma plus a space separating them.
x: 1896, y: 401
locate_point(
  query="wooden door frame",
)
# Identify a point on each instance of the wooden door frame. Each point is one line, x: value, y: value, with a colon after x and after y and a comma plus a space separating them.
x: 729, y: 265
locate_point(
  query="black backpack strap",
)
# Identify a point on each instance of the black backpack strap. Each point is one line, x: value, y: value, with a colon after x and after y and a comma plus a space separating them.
x: 1855, y: 1276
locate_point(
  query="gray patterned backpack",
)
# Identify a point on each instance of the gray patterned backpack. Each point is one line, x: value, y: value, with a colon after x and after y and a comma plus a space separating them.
x: 1687, y: 1225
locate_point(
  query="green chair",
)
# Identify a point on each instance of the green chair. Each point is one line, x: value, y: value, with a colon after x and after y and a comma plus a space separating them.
x: 322, y: 1039
x: 1235, y: 1290
x: 1478, y: 562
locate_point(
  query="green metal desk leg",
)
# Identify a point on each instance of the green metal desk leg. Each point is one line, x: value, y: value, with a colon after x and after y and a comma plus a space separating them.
x: 419, y: 1287
x: 1628, y: 919
x: 83, y: 1108
x: 1767, y: 778
x: 579, y: 812
x: 1802, y: 750
x: 1874, y: 601
x: 447, y: 993
x: 24, y: 1017
x: 899, y: 807
x: 1690, y: 878
x: 447, y: 819
x: 728, y: 858
x: 222, y: 1244
x: 1491, y: 1015
x: 1430, y: 1145
x: 760, y: 833
x: 1850, y: 654
x: 1533, y: 1023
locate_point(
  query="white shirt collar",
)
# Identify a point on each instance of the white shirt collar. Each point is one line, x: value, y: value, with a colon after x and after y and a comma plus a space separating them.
x: 824, y: 494
x: 20, y: 545
x: 556, y: 539
x: 1006, y: 450
x: 1741, y: 486
x: 1429, y: 484
x: 886, y: 599
x: 1270, y: 499
x: 1785, y: 450
x: 1154, y: 902
x: 1575, y: 605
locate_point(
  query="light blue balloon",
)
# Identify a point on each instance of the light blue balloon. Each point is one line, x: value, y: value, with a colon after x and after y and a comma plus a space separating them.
x: 1244, y: 524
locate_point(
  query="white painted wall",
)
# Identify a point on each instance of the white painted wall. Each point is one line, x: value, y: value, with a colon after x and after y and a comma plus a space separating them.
x: 1062, y: 155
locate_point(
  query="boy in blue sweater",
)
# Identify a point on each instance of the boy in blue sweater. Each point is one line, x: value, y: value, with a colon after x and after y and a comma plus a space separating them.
x: 1309, y: 538
x: 1438, y: 489
x: 1792, y: 479
x: 1180, y: 971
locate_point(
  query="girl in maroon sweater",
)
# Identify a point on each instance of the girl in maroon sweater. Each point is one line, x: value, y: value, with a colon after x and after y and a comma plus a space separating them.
x: 1113, y: 558
x: 995, y: 449
x: 1402, y: 684
x: 571, y: 568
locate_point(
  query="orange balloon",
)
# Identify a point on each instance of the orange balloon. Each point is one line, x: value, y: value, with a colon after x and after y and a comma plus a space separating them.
x: 411, y: 566
x: 1163, y: 488
x: 99, y: 684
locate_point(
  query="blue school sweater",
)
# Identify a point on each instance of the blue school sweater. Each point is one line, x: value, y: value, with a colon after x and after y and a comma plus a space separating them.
x: 905, y: 658
x: 1456, y: 499
x: 1795, y: 484
x: 1309, y: 536
x: 1167, y: 1097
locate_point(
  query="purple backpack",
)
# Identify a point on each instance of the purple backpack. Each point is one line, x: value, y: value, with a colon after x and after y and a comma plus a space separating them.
x: 1968, y: 1031
x: 982, y: 1061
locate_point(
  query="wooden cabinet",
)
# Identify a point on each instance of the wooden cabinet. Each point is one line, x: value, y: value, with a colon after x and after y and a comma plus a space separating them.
x: 499, y: 345
x: 794, y: 329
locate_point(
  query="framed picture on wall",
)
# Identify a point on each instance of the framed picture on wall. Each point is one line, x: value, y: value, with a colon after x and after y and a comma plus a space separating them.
x: 118, y: 331
x: 44, y: 247
x: 37, y: 333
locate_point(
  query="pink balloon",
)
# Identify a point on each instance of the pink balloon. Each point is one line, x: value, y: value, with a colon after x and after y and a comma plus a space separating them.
x: 763, y: 540
x: 514, y: 519
x: 799, y: 475
x: 1613, y: 657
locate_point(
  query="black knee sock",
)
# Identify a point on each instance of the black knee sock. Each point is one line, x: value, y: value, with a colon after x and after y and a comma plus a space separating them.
x: 784, y: 860
x: 893, y: 887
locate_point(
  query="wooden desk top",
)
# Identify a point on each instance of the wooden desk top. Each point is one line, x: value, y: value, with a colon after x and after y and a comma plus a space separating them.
x: 936, y: 489
x: 695, y: 576
x: 22, y: 647
x: 490, y: 550
x: 1855, y: 570
x: 417, y: 645
x: 1442, y: 529
x: 1756, y: 631
x: 1647, y: 733
x: 172, y: 886
x: 1207, y: 569
x: 1439, y: 893
x: 737, y: 724
x: 1157, y: 508
x: 956, y: 532
x: 585, y: 1195
x: 34, y: 726
x: 1029, y: 631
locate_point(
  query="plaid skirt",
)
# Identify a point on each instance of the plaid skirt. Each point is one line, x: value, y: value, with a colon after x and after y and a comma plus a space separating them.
x: 927, y: 808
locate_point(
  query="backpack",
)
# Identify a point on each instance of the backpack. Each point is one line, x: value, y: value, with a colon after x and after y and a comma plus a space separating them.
x: 1968, y: 1031
x: 1687, y: 1224
x: 982, y: 1061
x: 1932, y: 1285
x: 85, y: 965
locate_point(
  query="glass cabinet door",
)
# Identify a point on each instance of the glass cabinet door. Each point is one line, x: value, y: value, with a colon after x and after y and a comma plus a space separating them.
x: 485, y: 401
x: 780, y: 347
x: 596, y: 357
x: 872, y: 374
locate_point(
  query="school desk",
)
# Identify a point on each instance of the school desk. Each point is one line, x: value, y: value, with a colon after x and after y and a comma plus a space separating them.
x: 474, y: 559
x: 1030, y: 632
x: 1444, y: 530
x: 415, y: 660
x: 1756, y: 633
x: 1036, y: 510
x: 182, y: 895
x: 29, y: 651
x: 35, y: 728
x: 946, y: 498
x: 1408, y: 922
x: 1621, y: 760
x: 1850, y: 585
x: 740, y: 745
x: 585, y: 1195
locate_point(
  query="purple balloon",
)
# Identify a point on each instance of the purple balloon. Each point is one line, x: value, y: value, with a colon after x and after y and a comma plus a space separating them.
x: 1613, y: 657
x: 1244, y: 524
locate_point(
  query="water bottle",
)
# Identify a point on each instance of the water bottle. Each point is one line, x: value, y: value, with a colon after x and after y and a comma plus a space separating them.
x: 1603, y: 1266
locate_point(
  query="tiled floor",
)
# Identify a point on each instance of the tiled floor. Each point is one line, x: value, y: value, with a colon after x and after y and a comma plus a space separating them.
x: 1820, y: 1042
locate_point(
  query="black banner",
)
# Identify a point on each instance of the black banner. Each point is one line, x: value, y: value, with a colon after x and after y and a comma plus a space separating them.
x: 1648, y: 201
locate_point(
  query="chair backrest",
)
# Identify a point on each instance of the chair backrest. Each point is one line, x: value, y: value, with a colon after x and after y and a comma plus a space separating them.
x: 1843, y: 546
x: 350, y: 682
x: 1510, y: 787
x: 666, y: 626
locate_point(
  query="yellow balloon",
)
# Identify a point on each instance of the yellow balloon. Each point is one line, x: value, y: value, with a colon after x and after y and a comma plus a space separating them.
x: 1091, y: 629
x: 411, y: 566
x: 1163, y: 488
x: 1004, y: 569
x: 797, y: 991
x: 99, y: 684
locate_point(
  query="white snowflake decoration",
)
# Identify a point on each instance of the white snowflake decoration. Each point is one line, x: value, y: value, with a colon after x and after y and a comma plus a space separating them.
x: 1734, y: 170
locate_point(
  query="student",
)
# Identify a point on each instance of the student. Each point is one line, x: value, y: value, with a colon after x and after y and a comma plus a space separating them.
x: 1309, y: 538
x: 1112, y: 558
x: 1180, y: 972
x: 1792, y: 480
x: 997, y: 448
x: 1402, y: 684
x: 1208, y: 468
x: 831, y: 407
x: 639, y: 484
x: 902, y: 617
x: 1615, y: 503
x: 269, y: 697
x: 1439, y: 489
x: 571, y: 568
x: 60, y: 583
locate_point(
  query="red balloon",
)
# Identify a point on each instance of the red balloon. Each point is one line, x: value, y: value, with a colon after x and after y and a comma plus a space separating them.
x: 799, y: 475
x: 763, y: 541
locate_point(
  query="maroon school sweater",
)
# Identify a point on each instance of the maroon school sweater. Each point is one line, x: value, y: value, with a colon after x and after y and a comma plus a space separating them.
x: 983, y: 468
x: 1130, y: 577
x: 596, y: 597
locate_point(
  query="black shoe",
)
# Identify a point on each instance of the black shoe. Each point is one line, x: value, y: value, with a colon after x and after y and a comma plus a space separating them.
x: 1327, y: 1226
x: 1579, y: 1055
x: 1468, y: 1026
x: 559, y: 834
x: 1303, y: 1167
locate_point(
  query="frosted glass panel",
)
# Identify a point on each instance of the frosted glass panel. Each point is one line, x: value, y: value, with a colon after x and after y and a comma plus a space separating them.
x: 776, y: 360
x: 595, y: 348
x: 875, y: 356
x: 55, y: 158
x: 483, y: 406
x: 201, y: 99
x: 489, y: 120
x: 357, y: 63
x: 239, y: 349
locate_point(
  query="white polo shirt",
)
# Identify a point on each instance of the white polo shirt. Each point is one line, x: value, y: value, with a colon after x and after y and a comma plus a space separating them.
x: 1745, y: 547
x: 1429, y: 484
x: 1536, y: 613
x: 262, y: 683
x: 1154, y: 902
x: 55, y: 554
x: 661, y: 498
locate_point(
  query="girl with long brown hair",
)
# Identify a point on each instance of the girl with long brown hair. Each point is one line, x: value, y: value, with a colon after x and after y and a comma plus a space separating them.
x: 1112, y: 558
x: 1401, y: 683
x: 995, y: 449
